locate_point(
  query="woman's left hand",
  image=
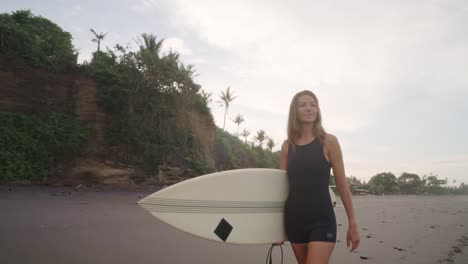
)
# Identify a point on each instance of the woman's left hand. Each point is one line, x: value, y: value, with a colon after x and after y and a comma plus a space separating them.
x: 352, y: 237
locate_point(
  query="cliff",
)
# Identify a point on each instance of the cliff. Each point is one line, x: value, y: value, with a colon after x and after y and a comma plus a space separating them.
x: 27, y: 90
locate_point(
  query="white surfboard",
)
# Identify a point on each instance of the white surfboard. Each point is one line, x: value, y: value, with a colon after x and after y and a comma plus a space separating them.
x: 243, y: 206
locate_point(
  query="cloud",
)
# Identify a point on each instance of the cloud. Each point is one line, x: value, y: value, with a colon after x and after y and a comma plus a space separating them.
x: 145, y: 6
x: 78, y: 29
x: 229, y: 25
x: 176, y: 44
x: 76, y: 10
x: 198, y: 61
x: 352, y: 57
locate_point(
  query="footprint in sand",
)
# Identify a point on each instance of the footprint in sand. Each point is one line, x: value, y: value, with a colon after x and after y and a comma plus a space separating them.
x: 399, y: 249
x: 456, y: 249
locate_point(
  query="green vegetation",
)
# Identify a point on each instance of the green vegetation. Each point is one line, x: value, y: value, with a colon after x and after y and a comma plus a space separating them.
x: 150, y: 97
x: 37, y: 40
x: 233, y: 153
x: 226, y: 99
x: 408, y: 183
x: 31, y: 144
x: 152, y: 101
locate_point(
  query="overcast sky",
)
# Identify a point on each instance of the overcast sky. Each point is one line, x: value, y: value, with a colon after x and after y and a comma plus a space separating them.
x: 391, y: 76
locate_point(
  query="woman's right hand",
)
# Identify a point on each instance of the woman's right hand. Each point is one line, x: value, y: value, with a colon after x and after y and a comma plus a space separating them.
x: 279, y: 243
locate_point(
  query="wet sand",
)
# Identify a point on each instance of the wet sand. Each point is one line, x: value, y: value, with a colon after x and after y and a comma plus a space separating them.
x: 62, y: 225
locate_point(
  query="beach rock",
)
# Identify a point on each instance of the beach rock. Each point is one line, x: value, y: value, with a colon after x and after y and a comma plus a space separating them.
x: 94, y: 174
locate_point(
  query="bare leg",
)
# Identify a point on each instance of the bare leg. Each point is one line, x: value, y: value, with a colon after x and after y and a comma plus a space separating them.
x: 319, y: 252
x: 300, y: 251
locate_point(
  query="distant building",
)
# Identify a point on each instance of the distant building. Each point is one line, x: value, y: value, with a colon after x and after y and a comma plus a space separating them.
x: 356, y: 190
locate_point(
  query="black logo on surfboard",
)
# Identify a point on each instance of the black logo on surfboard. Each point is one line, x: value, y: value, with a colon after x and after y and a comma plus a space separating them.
x: 223, y: 230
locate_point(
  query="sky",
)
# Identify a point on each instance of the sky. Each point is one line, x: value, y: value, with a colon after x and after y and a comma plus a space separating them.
x: 391, y: 77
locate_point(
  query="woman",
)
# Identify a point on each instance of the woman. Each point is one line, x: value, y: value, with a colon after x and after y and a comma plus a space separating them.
x: 308, y: 155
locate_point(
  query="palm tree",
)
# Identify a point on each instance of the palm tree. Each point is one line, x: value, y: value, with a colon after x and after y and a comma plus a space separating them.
x: 270, y: 143
x: 98, y: 38
x: 260, y: 137
x: 206, y: 97
x: 226, y: 98
x: 150, y: 44
x: 245, y: 133
x: 238, y: 120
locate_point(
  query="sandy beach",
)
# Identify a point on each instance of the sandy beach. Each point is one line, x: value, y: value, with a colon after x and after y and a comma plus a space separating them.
x: 62, y: 225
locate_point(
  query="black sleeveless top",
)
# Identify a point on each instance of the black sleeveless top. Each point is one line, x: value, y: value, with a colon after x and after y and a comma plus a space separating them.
x: 308, y: 174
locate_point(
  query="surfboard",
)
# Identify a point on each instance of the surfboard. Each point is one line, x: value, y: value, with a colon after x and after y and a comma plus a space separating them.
x: 243, y: 206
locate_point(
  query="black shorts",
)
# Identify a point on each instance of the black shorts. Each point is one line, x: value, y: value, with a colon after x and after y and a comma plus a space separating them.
x: 315, y: 230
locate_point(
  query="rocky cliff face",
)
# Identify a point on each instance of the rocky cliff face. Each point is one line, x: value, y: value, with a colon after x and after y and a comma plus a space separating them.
x: 27, y: 90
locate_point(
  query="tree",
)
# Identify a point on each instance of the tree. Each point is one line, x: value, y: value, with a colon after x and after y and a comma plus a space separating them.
x: 245, y: 133
x: 238, y: 120
x: 150, y: 97
x: 432, y: 180
x: 260, y: 137
x: 37, y: 40
x: 226, y: 99
x: 98, y: 38
x: 270, y: 143
x: 150, y: 47
x: 384, y: 182
x: 434, y: 185
x: 410, y: 183
x: 206, y: 97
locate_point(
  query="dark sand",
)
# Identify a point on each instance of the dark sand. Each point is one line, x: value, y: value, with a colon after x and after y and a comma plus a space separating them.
x: 61, y: 225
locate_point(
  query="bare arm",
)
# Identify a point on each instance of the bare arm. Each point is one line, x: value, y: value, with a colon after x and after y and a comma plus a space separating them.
x: 336, y: 160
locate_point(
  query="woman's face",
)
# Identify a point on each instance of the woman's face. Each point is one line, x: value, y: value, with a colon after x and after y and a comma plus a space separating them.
x: 306, y: 109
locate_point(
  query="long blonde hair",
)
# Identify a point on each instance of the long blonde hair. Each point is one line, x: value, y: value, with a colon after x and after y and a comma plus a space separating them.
x: 294, y: 127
